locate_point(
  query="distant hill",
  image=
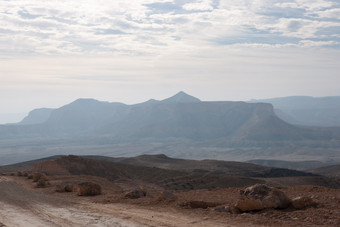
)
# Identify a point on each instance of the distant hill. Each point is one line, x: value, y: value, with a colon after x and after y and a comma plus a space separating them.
x: 37, y: 116
x: 121, y: 172
x: 331, y: 171
x: 181, y: 116
x: 298, y: 165
x: 161, y: 171
x: 215, y: 167
x: 305, y: 110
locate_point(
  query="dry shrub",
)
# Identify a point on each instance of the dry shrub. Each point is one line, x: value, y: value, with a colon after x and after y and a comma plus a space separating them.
x: 42, y: 183
x: 88, y: 189
x: 136, y: 194
x: 38, y: 176
x: 64, y: 187
x: 19, y: 174
x: 167, y: 196
x: 25, y: 174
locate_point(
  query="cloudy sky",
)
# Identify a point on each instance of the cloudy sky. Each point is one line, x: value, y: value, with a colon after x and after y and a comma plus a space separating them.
x: 53, y: 52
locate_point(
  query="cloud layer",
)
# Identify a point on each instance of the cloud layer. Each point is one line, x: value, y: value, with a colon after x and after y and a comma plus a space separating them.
x: 142, y: 27
x: 52, y: 52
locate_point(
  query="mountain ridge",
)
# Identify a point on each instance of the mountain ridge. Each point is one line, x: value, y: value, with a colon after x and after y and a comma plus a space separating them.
x: 180, y: 116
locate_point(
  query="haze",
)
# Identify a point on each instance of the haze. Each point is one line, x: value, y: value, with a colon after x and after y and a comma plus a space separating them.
x: 53, y: 52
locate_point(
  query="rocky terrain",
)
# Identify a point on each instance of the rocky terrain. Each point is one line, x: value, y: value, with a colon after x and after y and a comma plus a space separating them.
x: 48, y: 192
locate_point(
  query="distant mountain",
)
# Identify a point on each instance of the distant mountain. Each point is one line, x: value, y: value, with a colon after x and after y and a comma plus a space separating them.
x: 181, y: 97
x: 305, y: 110
x: 181, y: 116
x: 37, y: 116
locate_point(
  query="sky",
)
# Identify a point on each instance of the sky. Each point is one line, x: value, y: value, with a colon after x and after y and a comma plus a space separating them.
x: 53, y: 52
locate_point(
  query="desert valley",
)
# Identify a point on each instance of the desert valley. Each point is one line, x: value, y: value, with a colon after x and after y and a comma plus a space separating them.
x: 175, y: 162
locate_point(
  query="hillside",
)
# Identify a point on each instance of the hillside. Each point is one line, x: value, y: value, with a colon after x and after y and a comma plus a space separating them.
x: 136, y: 175
x: 214, y: 167
x: 160, y: 171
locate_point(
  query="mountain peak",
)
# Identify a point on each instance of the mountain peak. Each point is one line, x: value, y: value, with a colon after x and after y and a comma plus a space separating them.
x: 181, y: 97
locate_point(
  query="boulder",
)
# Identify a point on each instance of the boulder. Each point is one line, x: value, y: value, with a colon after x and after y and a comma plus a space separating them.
x: 88, y: 189
x: 302, y: 202
x: 260, y: 196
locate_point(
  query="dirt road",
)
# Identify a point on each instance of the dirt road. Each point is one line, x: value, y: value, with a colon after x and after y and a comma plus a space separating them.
x: 22, y: 206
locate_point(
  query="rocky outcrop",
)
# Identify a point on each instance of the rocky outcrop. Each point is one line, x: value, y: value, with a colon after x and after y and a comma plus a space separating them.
x: 260, y: 196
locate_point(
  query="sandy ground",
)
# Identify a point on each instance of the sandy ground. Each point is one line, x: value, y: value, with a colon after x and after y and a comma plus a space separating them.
x: 24, y: 206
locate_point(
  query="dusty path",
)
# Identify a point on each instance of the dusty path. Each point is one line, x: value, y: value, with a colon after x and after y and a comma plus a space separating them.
x: 21, y: 206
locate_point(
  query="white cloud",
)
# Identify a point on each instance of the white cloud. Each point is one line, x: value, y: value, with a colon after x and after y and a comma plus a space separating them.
x: 203, y: 5
x: 96, y: 27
